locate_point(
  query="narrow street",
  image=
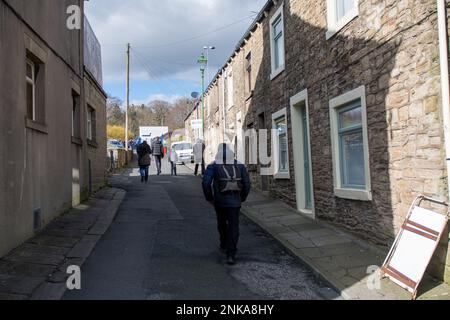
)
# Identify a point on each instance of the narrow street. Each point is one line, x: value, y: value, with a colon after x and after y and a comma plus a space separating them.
x: 163, y: 244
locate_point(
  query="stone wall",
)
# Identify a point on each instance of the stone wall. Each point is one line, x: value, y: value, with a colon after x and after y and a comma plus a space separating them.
x: 390, y: 48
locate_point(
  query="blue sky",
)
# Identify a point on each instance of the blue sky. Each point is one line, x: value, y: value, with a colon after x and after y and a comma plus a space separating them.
x: 166, y: 38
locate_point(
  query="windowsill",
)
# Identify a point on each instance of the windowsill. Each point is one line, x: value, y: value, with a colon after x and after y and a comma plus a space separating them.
x: 282, y: 176
x: 33, y: 125
x: 276, y: 73
x: 77, y: 141
x: 335, y: 28
x: 353, y: 194
x: 92, y: 143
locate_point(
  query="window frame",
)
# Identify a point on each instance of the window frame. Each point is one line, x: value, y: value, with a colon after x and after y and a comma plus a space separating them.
x: 90, y: 124
x: 230, y: 88
x: 334, y: 24
x: 277, y: 174
x: 278, y: 15
x: 337, y: 106
x: 76, y: 114
x: 248, y: 70
x: 31, y: 81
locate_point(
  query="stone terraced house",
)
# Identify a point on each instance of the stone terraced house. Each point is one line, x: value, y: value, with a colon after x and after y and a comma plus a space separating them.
x: 353, y: 91
x: 53, y: 116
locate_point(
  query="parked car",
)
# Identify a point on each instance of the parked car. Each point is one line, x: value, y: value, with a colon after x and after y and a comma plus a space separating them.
x: 115, y: 144
x: 184, y: 151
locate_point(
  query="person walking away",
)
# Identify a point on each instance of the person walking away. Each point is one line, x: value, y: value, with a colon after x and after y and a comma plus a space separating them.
x: 144, y: 160
x: 199, y: 159
x: 226, y: 185
x: 158, y: 154
x: 173, y: 159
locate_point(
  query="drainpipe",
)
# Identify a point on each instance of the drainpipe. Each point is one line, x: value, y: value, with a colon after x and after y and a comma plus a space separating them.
x: 443, y: 54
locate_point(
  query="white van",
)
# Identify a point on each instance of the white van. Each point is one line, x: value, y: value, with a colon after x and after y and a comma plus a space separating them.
x: 184, y: 150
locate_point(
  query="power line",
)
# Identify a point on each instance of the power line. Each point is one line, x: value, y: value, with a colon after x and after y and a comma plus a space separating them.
x: 175, y: 87
x: 198, y: 36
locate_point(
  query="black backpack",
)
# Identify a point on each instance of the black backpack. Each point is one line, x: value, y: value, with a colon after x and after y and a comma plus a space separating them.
x: 229, y: 178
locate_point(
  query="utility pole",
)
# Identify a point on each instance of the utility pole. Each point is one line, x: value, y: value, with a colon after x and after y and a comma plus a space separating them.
x: 127, y: 96
x: 202, y: 61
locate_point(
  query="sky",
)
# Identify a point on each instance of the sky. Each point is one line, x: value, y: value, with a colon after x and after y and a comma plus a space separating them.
x: 166, y: 38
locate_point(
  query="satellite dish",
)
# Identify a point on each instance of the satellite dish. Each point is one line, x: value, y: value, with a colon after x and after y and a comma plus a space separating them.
x: 195, y: 95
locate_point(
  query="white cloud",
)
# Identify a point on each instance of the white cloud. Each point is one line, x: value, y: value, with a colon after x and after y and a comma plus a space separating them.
x: 157, y: 96
x: 149, y: 25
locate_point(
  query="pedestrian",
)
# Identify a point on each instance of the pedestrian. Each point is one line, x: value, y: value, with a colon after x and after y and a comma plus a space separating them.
x: 144, y: 160
x: 226, y: 184
x: 199, y: 158
x: 158, y: 154
x: 173, y: 159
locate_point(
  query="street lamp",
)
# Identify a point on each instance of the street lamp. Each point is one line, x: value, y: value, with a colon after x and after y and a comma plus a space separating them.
x: 207, y: 48
x: 203, y: 62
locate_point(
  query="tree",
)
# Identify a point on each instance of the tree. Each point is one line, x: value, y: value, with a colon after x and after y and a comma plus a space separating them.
x: 114, y: 114
x: 160, y: 110
x: 179, y: 112
x: 117, y: 132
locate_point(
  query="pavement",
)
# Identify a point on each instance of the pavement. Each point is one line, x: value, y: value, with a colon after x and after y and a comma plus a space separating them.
x: 163, y: 245
x: 37, y: 269
x: 348, y: 264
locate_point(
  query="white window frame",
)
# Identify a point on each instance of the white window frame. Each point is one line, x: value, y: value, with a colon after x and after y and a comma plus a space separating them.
x: 230, y: 88
x: 276, y: 71
x: 333, y: 24
x: 335, y: 104
x: 275, y: 146
x: 208, y: 103
x: 89, y: 133
x: 32, y: 81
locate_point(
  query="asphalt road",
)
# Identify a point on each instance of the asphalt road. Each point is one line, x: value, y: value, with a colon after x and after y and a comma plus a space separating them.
x: 163, y: 244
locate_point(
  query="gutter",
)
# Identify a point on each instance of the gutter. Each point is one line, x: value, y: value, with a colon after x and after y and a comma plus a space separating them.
x: 445, y: 92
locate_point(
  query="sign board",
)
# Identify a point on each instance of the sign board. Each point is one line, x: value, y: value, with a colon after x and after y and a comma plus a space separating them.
x: 197, y: 124
x: 148, y: 133
x: 415, y: 245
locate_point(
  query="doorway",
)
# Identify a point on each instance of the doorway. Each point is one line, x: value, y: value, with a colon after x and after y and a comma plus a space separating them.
x: 262, y: 126
x: 302, y: 155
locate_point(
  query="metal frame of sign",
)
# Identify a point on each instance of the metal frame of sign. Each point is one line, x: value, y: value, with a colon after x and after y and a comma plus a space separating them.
x: 418, y: 231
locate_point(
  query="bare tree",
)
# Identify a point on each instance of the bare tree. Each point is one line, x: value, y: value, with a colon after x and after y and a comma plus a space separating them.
x: 160, y: 110
x: 178, y: 113
x: 114, y: 114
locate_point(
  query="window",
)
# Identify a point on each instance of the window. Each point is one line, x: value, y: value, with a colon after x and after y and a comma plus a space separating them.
x: 248, y: 69
x: 75, y: 115
x: 230, y: 89
x: 340, y: 13
x: 277, y: 42
x: 91, y: 124
x: 35, y: 93
x: 31, y: 90
x: 350, y: 146
x: 280, y: 145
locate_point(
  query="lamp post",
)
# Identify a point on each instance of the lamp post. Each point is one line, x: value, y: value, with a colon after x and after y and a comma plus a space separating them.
x: 207, y: 48
x: 203, y: 61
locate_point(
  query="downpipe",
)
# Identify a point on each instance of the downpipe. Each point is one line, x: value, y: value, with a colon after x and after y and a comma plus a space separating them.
x: 445, y: 92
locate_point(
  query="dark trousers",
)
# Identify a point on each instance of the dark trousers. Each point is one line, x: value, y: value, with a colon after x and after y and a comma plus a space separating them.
x: 228, y: 226
x: 144, y: 172
x: 158, y: 164
x: 196, y: 168
x: 173, y: 168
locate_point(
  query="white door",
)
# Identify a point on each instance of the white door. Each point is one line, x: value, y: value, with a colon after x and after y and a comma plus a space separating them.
x: 302, y: 154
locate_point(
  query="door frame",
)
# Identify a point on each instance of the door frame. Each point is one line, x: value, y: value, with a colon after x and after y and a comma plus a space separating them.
x: 298, y: 151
